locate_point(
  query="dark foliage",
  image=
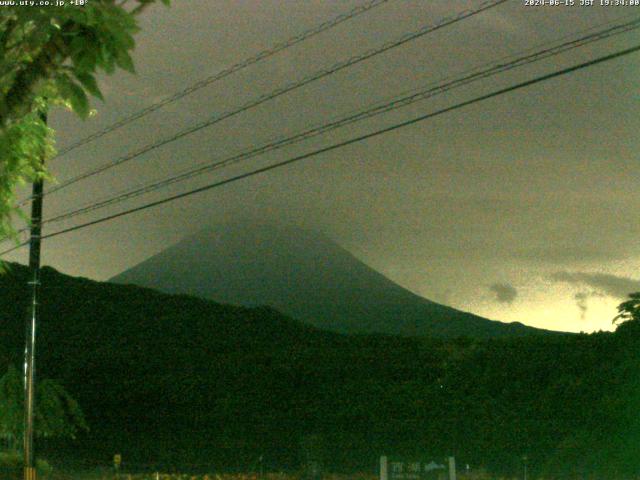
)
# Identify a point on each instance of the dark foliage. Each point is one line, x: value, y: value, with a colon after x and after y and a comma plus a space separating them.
x: 167, y: 380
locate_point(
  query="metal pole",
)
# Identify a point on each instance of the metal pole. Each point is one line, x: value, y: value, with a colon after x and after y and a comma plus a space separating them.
x: 32, y: 320
x: 384, y: 468
x: 452, y: 468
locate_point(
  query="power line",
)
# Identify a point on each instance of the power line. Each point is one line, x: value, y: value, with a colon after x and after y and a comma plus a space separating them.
x: 227, y: 71
x: 283, y: 90
x: 335, y: 146
x: 397, y: 102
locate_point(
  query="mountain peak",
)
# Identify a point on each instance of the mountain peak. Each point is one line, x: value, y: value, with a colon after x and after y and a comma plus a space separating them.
x: 305, y: 275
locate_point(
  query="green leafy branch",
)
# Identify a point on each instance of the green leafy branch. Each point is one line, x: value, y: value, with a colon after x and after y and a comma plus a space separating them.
x: 50, y: 57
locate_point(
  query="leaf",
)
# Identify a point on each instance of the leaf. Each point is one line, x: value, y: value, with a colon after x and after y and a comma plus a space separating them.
x: 88, y: 81
x: 74, y: 94
x: 124, y: 61
x: 108, y: 62
x: 79, y: 101
x: 84, y: 52
x: 86, y: 61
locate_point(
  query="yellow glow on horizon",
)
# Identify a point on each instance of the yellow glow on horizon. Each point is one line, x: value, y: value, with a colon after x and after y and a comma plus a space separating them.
x: 560, y: 315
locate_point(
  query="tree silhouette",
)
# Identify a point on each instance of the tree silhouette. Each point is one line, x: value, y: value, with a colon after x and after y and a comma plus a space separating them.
x: 57, y: 414
x: 629, y: 310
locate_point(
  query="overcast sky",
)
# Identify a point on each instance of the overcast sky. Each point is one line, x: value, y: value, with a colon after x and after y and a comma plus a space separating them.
x: 523, y: 207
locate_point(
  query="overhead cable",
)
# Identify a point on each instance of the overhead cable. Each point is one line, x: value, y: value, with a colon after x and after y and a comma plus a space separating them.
x: 495, y: 68
x: 282, y: 90
x: 342, y: 144
x: 264, y: 54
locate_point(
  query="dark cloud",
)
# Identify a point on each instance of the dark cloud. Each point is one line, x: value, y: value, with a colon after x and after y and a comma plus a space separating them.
x: 602, y: 283
x: 505, y: 293
x: 568, y: 254
x: 582, y: 299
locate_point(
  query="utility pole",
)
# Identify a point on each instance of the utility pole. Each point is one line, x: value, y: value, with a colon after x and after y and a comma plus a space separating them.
x: 32, y: 320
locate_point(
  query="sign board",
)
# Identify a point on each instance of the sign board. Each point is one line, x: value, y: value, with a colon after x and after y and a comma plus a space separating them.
x: 393, y: 469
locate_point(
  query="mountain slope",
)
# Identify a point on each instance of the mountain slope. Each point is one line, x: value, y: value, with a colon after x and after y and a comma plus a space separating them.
x: 157, y: 375
x: 176, y: 380
x: 305, y: 276
x: 171, y: 381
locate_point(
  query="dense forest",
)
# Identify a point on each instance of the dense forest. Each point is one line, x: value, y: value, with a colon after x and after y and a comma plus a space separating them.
x: 171, y: 380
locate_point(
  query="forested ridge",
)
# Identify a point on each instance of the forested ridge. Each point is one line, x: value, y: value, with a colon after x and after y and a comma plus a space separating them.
x: 175, y: 380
